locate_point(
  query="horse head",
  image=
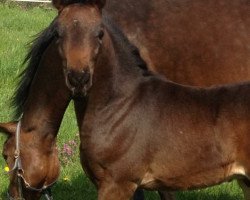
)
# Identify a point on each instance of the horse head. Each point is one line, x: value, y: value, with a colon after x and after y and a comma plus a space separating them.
x: 32, y: 171
x: 80, y: 36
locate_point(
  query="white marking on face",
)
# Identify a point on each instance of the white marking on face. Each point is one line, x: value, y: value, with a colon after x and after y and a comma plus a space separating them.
x: 75, y: 22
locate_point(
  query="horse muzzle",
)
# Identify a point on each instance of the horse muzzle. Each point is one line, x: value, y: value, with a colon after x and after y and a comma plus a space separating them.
x: 79, y: 82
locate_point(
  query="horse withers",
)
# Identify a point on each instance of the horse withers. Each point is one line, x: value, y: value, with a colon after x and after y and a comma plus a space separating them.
x: 140, y: 130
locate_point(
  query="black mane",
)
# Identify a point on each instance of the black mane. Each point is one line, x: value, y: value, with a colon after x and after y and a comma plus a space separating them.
x: 126, y: 44
x: 32, y: 59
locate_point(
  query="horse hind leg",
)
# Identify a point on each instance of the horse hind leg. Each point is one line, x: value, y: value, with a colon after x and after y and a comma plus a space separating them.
x: 245, y: 186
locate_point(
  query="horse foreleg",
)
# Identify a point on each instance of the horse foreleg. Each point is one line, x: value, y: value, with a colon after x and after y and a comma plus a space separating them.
x: 245, y: 186
x: 113, y: 191
x: 138, y: 195
x: 163, y: 195
x: 166, y: 195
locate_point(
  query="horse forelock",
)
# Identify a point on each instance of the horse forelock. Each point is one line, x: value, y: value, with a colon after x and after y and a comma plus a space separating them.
x: 33, y: 58
x: 69, y: 2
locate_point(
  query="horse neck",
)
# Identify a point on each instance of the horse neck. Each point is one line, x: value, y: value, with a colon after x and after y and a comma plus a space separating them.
x: 116, y: 72
x: 48, y: 97
x: 114, y: 78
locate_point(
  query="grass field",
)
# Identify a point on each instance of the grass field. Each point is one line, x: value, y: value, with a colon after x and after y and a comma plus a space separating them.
x: 17, y: 28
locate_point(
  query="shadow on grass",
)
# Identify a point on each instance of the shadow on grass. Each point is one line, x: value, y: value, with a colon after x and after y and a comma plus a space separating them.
x: 197, y: 195
x: 194, y: 195
x: 3, y: 195
x: 80, y: 188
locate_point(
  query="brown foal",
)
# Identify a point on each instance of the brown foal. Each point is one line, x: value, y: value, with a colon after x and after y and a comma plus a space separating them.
x: 142, y: 131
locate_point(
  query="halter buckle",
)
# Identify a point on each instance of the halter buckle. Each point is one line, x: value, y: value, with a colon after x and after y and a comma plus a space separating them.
x: 17, y: 153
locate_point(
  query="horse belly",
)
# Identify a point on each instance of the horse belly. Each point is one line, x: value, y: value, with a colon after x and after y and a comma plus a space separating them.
x: 194, y: 180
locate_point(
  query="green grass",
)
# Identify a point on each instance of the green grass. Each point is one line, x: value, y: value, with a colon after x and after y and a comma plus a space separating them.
x: 17, y: 28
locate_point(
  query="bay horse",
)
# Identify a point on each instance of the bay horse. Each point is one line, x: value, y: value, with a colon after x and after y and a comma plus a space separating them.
x: 181, y: 65
x: 42, y: 96
x: 188, y: 137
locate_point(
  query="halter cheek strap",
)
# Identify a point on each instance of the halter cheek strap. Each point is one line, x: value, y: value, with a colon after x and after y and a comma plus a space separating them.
x: 17, y: 164
x: 18, y: 168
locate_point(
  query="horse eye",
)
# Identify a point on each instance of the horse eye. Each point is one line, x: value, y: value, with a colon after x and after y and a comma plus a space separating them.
x: 100, y: 34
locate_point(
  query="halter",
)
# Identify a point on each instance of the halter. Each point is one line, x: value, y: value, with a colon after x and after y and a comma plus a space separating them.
x: 45, y: 190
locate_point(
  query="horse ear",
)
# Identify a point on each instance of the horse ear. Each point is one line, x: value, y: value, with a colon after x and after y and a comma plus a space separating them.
x: 8, y: 128
x: 58, y: 4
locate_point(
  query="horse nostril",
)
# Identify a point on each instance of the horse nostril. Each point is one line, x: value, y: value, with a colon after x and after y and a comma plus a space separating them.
x: 77, y: 79
x: 86, y: 77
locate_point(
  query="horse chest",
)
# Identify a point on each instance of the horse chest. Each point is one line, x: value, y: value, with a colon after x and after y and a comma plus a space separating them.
x: 108, y: 137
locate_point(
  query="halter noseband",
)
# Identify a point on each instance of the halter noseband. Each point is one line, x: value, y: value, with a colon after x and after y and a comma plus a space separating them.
x: 46, y: 191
